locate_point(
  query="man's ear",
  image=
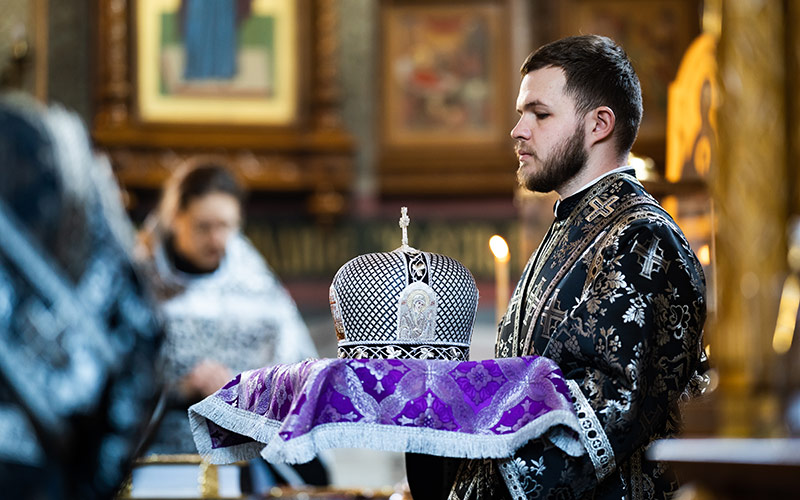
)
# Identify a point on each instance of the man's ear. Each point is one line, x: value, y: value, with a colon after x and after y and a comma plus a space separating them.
x: 601, y: 122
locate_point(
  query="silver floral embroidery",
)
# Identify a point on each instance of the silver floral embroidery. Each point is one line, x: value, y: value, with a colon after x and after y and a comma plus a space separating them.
x: 509, y: 470
x: 381, y: 369
x: 635, y: 312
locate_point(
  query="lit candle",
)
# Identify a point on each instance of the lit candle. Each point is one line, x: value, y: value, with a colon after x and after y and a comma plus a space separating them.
x: 704, y: 255
x: 499, y: 248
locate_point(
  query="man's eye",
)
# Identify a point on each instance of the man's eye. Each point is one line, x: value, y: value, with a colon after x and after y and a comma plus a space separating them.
x: 542, y: 116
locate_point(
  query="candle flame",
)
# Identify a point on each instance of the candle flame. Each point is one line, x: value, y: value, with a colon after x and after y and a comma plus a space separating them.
x: 499, y: 247
x: 704, y: 255
x: 787, y: 316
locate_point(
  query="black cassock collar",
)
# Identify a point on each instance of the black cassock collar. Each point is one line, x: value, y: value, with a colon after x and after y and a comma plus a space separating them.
x: 563, y: 208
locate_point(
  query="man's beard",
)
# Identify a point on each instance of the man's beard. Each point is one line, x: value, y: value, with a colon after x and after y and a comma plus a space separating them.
x: 561, y: 166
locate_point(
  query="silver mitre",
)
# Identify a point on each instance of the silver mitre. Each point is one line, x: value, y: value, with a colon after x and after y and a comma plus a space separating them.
x: 404, y: 304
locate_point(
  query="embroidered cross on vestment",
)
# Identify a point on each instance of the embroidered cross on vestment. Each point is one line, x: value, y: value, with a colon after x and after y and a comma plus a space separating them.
x: 651, y: 257
x: 601, y: 207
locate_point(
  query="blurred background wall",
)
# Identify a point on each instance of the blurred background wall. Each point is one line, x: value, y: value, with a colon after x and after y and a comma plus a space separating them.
x: 399, y: 102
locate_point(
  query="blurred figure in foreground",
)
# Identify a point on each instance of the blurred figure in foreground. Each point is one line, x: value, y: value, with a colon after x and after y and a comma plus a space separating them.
x: 225, y: 310
x: 78, y: 341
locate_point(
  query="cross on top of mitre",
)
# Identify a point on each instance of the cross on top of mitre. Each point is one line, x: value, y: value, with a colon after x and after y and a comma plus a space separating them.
x: 404, y: 222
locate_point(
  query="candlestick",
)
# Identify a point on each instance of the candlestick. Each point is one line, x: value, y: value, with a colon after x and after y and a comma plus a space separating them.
x: 499, y: 249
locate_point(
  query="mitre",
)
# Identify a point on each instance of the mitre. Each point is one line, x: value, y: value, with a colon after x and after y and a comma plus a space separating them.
x: 404, y: 304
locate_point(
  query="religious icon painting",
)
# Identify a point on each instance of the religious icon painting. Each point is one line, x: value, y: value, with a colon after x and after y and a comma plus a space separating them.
x: 217, y: 61
x: 440, y: 76
x: 445, y: 105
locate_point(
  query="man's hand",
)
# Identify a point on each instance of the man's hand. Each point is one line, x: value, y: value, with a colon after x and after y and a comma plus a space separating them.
x: 205, y: 379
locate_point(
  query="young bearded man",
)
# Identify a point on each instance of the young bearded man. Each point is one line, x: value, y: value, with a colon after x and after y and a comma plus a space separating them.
x: 614, y: 293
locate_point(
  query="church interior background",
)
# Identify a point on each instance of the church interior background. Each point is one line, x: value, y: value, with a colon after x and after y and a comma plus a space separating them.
x: 370, y: 105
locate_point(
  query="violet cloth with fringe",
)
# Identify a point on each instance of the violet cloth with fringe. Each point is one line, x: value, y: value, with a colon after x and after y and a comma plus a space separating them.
x: 472, y: 409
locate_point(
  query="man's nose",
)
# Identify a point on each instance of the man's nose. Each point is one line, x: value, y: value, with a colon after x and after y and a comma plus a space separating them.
x: 220, y: 236
x: 521, y: 131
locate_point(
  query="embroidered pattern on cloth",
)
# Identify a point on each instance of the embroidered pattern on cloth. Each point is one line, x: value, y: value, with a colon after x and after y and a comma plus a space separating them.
x: 473, y: 409
x: 404, y: 351
x: 513, y: 476
x: 593, y: 436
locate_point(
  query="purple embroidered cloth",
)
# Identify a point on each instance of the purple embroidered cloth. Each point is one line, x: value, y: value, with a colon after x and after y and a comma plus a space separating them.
x: 472, y: 409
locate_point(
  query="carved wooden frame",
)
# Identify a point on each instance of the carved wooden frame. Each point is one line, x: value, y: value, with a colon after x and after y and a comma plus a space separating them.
x: 311, y: 155
x: 157, y: 68
x: 449, y: 163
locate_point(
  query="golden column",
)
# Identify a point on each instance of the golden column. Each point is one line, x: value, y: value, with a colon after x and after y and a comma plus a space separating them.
x: 793, y: 84
x: 752, y: 194
x: 791, y: 362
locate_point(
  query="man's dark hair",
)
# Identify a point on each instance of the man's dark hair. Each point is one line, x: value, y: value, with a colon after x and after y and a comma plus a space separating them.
x: 598, y: 73
x: 206, y: 179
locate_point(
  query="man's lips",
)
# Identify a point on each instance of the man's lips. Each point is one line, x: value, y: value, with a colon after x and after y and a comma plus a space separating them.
x: 522, y: 154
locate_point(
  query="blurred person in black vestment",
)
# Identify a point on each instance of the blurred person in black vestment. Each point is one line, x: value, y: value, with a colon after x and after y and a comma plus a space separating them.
x: 78, y: 339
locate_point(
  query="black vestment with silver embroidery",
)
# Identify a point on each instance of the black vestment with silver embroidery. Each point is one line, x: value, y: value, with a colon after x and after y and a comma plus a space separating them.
x: 616, y: 297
